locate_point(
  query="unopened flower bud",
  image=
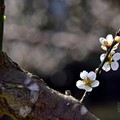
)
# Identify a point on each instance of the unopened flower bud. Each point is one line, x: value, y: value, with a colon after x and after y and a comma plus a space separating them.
x: 117, y: 39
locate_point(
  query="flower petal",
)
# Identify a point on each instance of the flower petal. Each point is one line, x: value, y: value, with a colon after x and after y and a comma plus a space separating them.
x: 95, y: 83
x: 83, y: 74
x: 114, y: 65
x: 80, y: 84
x: 116, y: 56
x: 88, y: 88
x: 91, y: 75
x: 106, y: 67
x: 102, y: 57
x: 112, y: 52
x: 101, y: 40
x: 109, y: 38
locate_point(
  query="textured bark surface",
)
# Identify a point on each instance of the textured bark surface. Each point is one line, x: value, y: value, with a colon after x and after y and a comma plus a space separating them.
x: 24, y: 96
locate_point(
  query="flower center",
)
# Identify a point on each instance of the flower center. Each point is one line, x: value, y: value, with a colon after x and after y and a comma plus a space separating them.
x: 87, y: 82
x: 107, y: 44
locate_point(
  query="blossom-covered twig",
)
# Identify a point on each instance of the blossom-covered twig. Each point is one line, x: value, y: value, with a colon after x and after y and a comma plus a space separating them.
x: 109, y: 58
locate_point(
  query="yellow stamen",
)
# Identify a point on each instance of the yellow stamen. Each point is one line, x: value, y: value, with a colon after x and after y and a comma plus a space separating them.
x: 87, y: 82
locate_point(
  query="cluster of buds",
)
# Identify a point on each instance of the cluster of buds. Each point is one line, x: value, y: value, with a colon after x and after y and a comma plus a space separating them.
x: 109, y: 60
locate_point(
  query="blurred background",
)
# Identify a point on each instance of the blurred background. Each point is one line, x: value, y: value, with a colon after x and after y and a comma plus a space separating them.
x: 57, y: 39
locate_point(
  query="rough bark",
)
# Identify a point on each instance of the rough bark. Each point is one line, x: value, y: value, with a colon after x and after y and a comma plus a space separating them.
x: 24, y: 96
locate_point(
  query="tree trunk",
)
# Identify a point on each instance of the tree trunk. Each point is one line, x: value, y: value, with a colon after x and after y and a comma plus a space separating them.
x: 24, y: 96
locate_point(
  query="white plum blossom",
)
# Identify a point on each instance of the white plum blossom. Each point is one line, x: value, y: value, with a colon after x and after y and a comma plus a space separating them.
x: 107, y: 42
x: 88, y: 81
x: 112, y: 61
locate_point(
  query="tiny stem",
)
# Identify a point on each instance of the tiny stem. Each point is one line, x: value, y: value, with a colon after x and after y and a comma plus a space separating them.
x: 83, y: 97
x: 1, y: 23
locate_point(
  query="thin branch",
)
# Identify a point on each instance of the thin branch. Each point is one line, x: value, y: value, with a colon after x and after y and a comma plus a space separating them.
x: 2, y: 8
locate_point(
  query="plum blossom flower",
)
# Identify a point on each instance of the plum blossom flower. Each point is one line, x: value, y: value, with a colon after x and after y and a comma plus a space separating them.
x: 88, y: 81
x: 112, y: 61
x: 107, y: 42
